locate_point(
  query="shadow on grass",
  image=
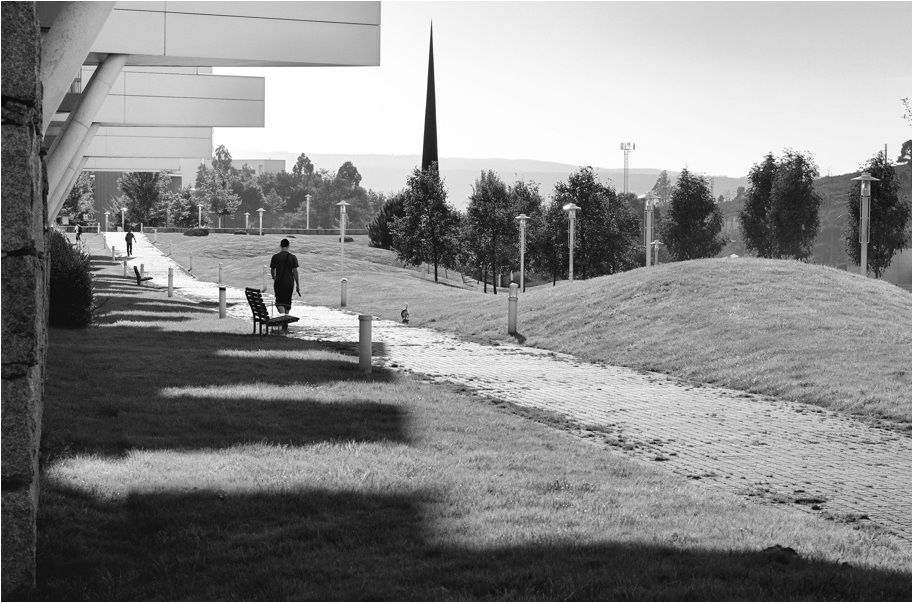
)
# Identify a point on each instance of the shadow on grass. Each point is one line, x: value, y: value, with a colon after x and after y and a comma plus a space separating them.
x: 318, y: 545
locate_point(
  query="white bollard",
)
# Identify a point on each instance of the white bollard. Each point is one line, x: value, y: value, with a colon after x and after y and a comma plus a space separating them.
x: 170, y: 282
x: 220, y: 273
x: 125, y: 267
x: 142, y: 270
x: 221, y: 302
x: 155, y: 235
x: 512, y: 309
x: 191, y: 261
x: 364, y: 342
x: 169, y: 249
x: 263, y: 290
x: 344, y: 285
x: 113, y: 254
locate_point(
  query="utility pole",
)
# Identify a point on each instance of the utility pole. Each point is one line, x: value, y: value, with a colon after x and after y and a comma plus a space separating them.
x: 627, y: 147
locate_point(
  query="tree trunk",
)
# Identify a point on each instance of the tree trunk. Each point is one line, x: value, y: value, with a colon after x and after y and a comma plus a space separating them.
x: 485, y: 280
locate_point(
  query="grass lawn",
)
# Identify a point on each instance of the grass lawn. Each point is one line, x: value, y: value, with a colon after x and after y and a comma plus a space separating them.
x: 795, y: 331
x: 184, y: 459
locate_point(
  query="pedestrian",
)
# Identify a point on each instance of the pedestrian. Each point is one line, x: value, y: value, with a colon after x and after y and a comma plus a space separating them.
x: 129, y: 238
x: 78, y: 232
x: 284, y: 270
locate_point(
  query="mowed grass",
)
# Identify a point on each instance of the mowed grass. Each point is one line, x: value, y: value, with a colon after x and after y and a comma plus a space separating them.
x: 184, y: 459
x: 795, y: 331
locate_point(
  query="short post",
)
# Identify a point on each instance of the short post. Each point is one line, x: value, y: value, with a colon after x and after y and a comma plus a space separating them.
x: 142, y: 270
x: 512, y: 310
x: 155, y: 235
x: 263, y: 290
x: 220, y: 273
x: 169, y: 249
x: 364, y: 342
x: 170, y: 282
x: 191, y: 262
x: 125, y: 267
x: 344, y: 285
x: 113, y: 254
x: 221, y: 301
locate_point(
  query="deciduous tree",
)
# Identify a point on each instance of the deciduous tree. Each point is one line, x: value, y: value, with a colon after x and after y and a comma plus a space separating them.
x: 692, y: 222
x: 889, y: 215
x: 81, y: 199
x: 489, y: 214
x: 143, y: 191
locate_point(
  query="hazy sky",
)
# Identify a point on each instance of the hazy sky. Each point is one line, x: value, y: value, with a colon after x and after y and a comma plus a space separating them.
x: 710, y: 85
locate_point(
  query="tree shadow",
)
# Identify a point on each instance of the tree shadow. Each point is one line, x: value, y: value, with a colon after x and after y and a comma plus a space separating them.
x: 313, y: 544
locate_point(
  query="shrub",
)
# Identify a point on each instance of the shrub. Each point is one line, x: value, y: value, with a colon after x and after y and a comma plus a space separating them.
x: 71, y: 301
x: 197, y: 232
x: 348, y: 240
x: 244, y: 232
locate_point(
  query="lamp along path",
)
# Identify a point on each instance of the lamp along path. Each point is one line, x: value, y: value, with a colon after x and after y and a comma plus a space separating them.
x: 769, y: 450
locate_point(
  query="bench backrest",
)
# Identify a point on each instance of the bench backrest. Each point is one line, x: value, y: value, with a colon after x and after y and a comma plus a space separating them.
x: 255, y: 299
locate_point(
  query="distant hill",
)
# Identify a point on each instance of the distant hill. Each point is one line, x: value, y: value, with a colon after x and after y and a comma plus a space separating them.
x: 388, y: 173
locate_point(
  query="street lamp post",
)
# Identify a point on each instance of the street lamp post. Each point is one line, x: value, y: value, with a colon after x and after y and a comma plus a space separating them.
x: 246, y: 220
x: 200, y: 215
x: 649, y: 202
x: 307, y: 218
x: 342, y: 230
x: 260, y: 211
x: 656, y: 245
x: 571, y: 210
x: 106, y: 221
x: 865, y: 190
x: 123, y: 219
x: 522, y: 218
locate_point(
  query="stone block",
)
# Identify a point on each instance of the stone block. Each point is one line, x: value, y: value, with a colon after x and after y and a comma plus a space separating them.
x: 23, y: 296
x: 20, y: 506
x: 21, y: 51
x: 23, y: 204
x: 21, y: 410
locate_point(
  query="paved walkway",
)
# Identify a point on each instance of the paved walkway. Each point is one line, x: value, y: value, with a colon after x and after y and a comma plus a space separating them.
x: 743, y: 443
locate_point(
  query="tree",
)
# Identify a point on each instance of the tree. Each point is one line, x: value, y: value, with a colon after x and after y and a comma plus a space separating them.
x: 904, y: 156
x: 490, y: 216
x: 794, y: 205
x: 379, y: 228
x: 889, y: 215
x: 273, y: 203
x: 663, y: 188
x: 547, y: 238
x: 303, y: 167
x: 81, y: 199
x: 143, y: 191
x: 693, y: 222
x: 607, y: 232
x: 422, y: 233
x: 348, y: 173
x: 755, y: 220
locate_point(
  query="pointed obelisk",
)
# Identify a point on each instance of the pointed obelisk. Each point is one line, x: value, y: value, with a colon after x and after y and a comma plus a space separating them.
x: 429, y: 146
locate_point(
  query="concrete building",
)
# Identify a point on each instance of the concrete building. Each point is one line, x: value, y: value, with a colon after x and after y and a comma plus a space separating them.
x: 84, y: 88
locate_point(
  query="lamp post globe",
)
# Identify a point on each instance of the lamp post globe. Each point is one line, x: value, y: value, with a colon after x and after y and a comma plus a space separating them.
x: 865, y: 191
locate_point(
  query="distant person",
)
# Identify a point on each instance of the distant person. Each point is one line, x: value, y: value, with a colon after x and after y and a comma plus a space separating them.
x: 405, y: 315
x: 129, y: 238
x: 78, y: 232
x: 284, y: 270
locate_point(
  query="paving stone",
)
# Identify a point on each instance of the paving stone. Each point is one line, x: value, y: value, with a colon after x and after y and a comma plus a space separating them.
x: 716, y: 437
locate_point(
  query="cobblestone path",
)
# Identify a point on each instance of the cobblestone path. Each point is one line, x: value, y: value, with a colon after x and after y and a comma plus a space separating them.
x: 747, y: 444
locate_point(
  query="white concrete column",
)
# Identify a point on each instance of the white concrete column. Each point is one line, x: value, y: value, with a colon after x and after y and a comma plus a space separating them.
x: 57, y: 196
x: 65, y: 48
x: 77, y: 126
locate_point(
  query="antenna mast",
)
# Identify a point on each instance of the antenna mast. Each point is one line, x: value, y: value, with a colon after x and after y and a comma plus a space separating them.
x: 627, y: 147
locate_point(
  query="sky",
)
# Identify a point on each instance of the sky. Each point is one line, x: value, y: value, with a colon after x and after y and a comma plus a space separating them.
x: 712, y: 86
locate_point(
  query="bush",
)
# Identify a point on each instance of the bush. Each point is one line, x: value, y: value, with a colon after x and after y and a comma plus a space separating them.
x: 244, y: 232
x: 348, y: 240
x: 197, y: 232
x: 71, y: 302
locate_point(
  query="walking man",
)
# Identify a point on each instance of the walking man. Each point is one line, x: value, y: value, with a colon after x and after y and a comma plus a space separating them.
x: 129, y: 238
x: 284, y: 270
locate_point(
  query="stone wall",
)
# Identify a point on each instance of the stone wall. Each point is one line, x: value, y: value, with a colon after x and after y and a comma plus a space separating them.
x: 24, y: 275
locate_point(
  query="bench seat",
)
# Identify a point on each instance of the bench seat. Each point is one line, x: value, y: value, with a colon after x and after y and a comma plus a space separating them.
x: 140, y: 279
x: 261, y: 314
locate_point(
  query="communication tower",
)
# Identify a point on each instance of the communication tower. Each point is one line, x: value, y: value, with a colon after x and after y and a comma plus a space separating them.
x: 627, y: 147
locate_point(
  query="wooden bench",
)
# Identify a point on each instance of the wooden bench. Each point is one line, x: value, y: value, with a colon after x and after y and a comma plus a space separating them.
x: 261, y: 314
x: 140, y: 278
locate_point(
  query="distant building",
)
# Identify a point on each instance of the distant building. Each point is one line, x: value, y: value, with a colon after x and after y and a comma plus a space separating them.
x: 260, y: 166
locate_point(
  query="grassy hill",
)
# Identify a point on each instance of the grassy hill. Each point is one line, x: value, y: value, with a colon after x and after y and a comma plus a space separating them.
x: 783, y: 328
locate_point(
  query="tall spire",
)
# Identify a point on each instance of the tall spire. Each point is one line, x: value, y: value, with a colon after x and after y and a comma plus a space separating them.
x: 429, y: 146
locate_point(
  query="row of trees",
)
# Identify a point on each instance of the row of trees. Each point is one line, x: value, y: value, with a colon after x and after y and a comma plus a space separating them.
x: 228, y: 192
x: 421, y: 226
